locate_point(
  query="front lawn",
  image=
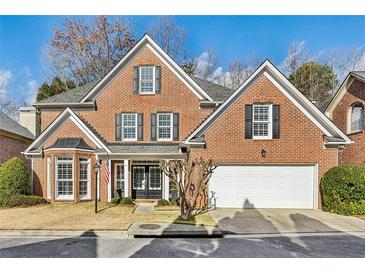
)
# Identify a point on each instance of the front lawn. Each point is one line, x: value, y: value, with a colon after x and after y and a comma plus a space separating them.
x: 81, y: 216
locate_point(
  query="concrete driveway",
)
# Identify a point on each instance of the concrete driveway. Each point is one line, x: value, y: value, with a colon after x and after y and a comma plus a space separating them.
x: 279, y: 221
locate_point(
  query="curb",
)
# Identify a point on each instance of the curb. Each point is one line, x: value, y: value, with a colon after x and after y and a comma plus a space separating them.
x: 65, y: 233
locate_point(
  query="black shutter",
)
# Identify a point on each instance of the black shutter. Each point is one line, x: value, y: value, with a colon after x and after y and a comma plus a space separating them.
x: 135, y: 84
x: 248, y: 121
x: 176, y: 126
x: 118, y: 126
x: 153, y: 127
x: 276, y: 121
x: 140, y: 127
x: 158, y: 79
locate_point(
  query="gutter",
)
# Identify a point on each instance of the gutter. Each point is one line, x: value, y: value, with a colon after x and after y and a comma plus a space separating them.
x: 64, y: 105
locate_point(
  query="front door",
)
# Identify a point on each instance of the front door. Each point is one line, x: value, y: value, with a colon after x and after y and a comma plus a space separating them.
x: 146, y: 182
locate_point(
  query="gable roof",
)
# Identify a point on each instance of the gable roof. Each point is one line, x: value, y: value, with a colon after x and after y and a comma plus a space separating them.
x: 147, y: 41
x: 293, y: 94
x: 9, y: 125
x: 35, y: 147
x: 217, y: 92
x: 336, y: 98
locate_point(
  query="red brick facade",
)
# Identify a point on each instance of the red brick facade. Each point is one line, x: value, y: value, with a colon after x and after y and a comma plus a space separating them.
x: 300, y: 141
x: 354, y: 153
x: 13, y: 146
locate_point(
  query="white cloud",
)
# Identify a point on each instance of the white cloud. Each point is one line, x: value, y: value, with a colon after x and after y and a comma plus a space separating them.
x: 31, y: 92
x: 5, y: 77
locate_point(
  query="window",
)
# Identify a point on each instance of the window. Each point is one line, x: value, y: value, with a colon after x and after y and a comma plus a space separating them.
x: 357, y: 117
x: 129, y: 126
x: 154, y: 178
x: 147, y: 79
x: 164, y: 126
x: 119, y: 178
x: 84, y: 179
x: 64, y: 177
x: 262, y: 126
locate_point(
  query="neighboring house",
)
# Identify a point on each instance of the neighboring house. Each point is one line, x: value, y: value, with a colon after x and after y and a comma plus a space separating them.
x: 14, y: 139
x: 271, y: 144
x: 346, y: 109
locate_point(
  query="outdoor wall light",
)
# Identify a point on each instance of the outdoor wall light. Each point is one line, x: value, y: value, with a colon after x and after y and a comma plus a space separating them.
x: 263, y: 153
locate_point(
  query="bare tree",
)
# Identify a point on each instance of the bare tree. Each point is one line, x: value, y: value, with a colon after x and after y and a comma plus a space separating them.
x: 191, y: 179
x: 7, y: 105
x: 85, y: 49
x: 170, y: 37
x: 298, y: 54
x: 207, y: 63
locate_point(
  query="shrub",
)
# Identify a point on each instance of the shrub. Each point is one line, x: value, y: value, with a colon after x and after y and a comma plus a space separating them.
x: 163, y: 202
x: 14, y: 179
x: 115, y: 200
x: 24, y: 200
x: 343, y: 190
x: 174, y: 202
x: 127, y: 201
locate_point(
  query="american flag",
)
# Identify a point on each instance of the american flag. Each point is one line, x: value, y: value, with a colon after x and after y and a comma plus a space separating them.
x: 107, y: 171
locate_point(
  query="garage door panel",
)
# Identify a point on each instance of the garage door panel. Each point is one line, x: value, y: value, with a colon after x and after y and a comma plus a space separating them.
x: 263, y: 186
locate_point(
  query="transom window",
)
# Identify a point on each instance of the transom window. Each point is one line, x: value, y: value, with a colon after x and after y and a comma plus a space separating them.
x: 262, y: 125
x: 147, y: 79
x: 64, y: 177
x: 164, y: 126
x: 357, y: 117
x: 84, y: 180
x: 129, y: 126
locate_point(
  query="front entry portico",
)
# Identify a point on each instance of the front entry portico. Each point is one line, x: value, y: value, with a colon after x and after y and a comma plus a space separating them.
x: 146, y: 182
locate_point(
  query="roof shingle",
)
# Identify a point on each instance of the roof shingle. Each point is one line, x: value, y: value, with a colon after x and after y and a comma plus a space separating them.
x: 9, y: 125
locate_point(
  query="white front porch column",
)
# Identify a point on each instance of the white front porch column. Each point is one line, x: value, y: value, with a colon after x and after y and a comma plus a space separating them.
x: 109, y: 180
x: 126, y: 178
x: 165, y: 188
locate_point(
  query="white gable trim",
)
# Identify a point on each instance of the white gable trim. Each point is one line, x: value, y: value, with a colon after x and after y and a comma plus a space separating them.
x: 326, y: 126
x: 163, y: 56
x: 57, y: 123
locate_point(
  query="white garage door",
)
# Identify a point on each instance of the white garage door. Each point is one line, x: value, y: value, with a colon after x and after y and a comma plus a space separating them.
x: 263, y: 186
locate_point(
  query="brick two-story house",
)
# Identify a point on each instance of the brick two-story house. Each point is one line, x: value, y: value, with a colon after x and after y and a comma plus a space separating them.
x: 346, y: 109
x: 271, y: 144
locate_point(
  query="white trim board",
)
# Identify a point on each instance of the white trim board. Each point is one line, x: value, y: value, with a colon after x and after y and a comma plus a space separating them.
x: 167, y: 60
x: 57, y: 123
x: 294, y: 95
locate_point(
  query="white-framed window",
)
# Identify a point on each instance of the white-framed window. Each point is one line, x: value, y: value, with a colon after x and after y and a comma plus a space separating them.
x: 164, y: 126
x: 356, y: 118
x: 129, y: 126
x: 64, y: 177
x: 84, y: 178
x: 146, y: 79
x: 262, y: 122
x: 119, y: 178
x: 154, y: 178
x: 49, y: 190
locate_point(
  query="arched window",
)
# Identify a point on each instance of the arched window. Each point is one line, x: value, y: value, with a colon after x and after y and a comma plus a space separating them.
x: 357, y: 117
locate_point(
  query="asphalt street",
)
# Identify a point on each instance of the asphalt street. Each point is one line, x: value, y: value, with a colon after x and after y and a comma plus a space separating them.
x: 299, y: 246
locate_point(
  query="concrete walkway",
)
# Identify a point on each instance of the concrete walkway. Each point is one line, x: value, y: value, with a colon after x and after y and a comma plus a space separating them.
x: 146, y: 208
x: 280, y: 221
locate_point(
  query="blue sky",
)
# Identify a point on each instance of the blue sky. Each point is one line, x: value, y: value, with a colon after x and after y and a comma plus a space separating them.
x: 232, y: 37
